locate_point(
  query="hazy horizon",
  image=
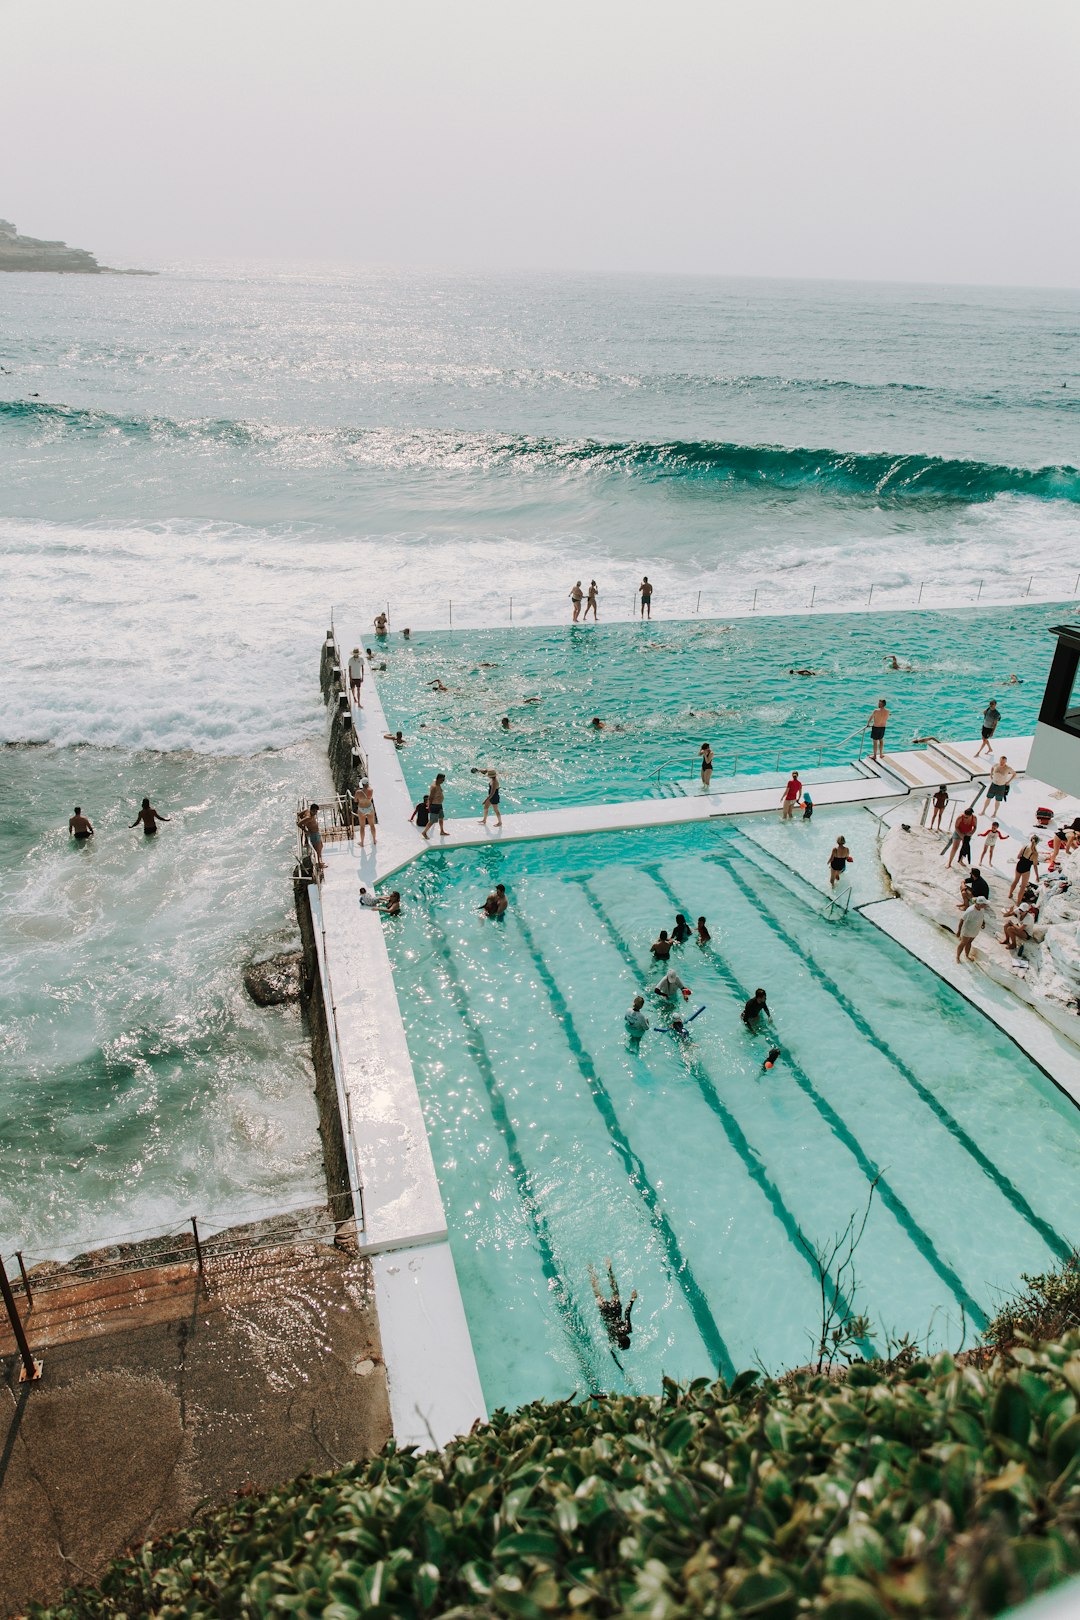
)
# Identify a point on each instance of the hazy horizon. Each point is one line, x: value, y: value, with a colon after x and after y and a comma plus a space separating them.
x: 702, y: 139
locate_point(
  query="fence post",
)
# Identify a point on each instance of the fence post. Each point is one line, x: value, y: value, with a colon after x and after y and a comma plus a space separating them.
x: 25, y: 1281
x: 813, y: 593
x: 1076, y: 587
x: 511, y: 610
x: 698, y: 608
x: 922, y: 587
x: 198, y: 1245
x: 978, y: 593
x: 31, y: 1369
x: 1028, y: 591
x: 870, y: 598
x: 451, y: 614
x: 753, y: 605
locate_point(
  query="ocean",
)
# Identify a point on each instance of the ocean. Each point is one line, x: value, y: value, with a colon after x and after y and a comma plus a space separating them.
x: 198, y: 469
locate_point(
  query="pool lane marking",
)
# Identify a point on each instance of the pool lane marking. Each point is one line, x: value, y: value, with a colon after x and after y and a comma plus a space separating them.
x: 1013, y: 1194
x: 752, y: 1160
x: 889, y: 1198
x: 577, y: 1332
x: 632, y: 1163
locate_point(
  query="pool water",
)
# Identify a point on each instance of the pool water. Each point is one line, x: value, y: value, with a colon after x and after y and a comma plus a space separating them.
x: 558, y: 1142
x: 663, y: 689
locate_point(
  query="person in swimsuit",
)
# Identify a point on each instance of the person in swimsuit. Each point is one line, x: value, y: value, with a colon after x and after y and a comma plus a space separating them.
x: 438, y: 685
x: 491, y: 802
x: 645, y: 592
x: 991, y: 716
x: 148, y: 817
x: 681, y: 931
x: 877, y: 723
x: 706, y: 764
x: 435, y: 807
x: 838, y: 861
x: 790, y: 797
x: 940, y: 802
x: 661, y: 946
x: 596, y: 723
x: 1059, y: 845
x: 308, y: 822
x: 356, y: 674
x: 963, y: 827
x: 757, y: 1006
x: 496, y: 903
x: 380, y: 624
x: 364, y: 805
x: 615, y: 1319
x: 396, y: 737
x: 575, y: 597
x: 807, y: 805
x: 1027, y: 861
x: 591, y: 600
x: 80, y: 827
x: 991, y: 837
x: 703, y: 935
x: 420, y: 814
x: 505, y: 722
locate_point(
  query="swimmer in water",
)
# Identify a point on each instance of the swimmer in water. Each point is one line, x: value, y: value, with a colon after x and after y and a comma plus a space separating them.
x: 596, y: 723
x: 755, y: 1008
x: 802, y: 671
x: 900, y: 664
x: 771, y: 1059
x: 80, y: 827
x: 678, y: 1029
x: 615, y: 1319
x: 505, y: 722
x: 149, y: 818
x: 396, y: 737
x: 530, y: 700
x: 437, y: 686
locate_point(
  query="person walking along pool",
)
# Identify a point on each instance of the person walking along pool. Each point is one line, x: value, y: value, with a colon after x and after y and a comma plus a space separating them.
x: 940, y: 802
x: 877, y: 723
x: 575, y: 597
x: 435, y: 807
x: 364, y: 805
x: 80, y: 827
x: 356, y: 674
x: 148, y: 817
x: 790, y: 797
x: 960, y: 848
x: 591, y: 600
x: 1002, y: 777
x: 971, y: 924
x: 615, y: 1319
x: 645, y: 592
x: 990, y: 719
x: 839, y: 858
x: 491, y: 800
x: 1026, y: 862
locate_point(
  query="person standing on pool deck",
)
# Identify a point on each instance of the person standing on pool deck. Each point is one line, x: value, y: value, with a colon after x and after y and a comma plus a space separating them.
x: 991, y: 716
x: 308, y: 822
x: 960, y: 848
x: 706, y: 763
x: 364, y: 805
x: 356, y: 675
x: 1002, y: 777
x: 149, y: 818
x: 971, y: 924
x: 491, y: 802
x: 790, y: 797
x: 575, y: 597
x: 940, y: 802
x: 615, y: 1319
x: 877, y: 723
x: 990, y: 837
x: 80, y: 827
x: 838, y: 861
x: 591, y: 600
x: 1026, y: 862
x: 435, y: 807
x: 755, y: 1007
x: 645, y: 592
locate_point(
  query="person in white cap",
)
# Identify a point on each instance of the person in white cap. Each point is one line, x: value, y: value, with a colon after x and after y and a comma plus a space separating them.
x: 971, y: 924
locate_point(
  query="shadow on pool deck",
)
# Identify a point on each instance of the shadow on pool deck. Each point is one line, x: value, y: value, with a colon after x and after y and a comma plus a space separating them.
x: 167, y: 1390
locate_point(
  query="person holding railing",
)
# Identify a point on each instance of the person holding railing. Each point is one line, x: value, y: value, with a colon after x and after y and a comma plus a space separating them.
x: 308, y: 823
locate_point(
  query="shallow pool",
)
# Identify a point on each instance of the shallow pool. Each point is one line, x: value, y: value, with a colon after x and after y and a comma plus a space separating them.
x: 558, y: 1142
x: 663, y: 689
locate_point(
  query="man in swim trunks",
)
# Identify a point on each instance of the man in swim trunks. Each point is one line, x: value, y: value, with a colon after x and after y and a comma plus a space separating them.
x: 149, y: 818
x: 356, y: 674
x: 755, y: 1007
x: 877, y: 723
x: 396, y: 737
x: 1002, y: 777
x: 615, y: 1319
x: 991, y: 716
x: 80, y: 827
x: 308, y: 823
x: 435, y: 806
x: 576, y: 596
x: 645, y: 592
x: 496, y: 903
x: 661, y: 946
x: 790, y: 797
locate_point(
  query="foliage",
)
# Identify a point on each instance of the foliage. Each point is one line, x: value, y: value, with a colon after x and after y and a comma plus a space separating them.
x: 1048, y: 1308
x: 947, y: 1488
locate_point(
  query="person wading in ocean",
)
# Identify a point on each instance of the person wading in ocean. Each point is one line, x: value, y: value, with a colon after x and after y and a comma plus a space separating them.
x: 148, y: 818
x: 80, y: 827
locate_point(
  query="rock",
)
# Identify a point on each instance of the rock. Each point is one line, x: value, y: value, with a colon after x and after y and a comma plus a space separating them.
x: 275, y: 981
x: 34, y: 253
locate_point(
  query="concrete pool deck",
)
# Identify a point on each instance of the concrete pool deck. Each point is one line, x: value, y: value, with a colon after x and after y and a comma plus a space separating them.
x: 434, y: 1386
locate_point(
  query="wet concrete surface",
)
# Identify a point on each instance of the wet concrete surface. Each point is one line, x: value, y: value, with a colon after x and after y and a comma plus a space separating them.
x: 267, y: 1366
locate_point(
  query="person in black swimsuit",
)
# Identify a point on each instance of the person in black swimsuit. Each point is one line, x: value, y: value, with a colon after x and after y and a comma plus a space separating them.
x: 420, y: 813
x: 753, y: 1010
x: 681, y: 931
x: 615, y: 1319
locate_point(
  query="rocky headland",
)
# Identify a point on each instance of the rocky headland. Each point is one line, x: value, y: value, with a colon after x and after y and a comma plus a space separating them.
x: 33, y: 253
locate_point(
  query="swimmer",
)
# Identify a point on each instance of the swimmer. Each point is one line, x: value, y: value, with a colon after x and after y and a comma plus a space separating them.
x: 530, y: 700
x: 596, y: 723
x: 635, y: 1020
x: 505, y: 722
x: 406, y: 634
x: 671, y: 987
x: 803, y: 672
x: 1014, y: 680
x: 437, y: 686
x: 681, y: 931
x: 678, y: 1029
x: 706, y: 763
x: 900, y: 664
x: 615, y: 1319
x: 80, y: 827
x: 496, y: 903
x: 703, y: 935
x: 149, y: 818
x: 754, y: 1009
x: 838, y: 861
x: 661, y: 947
x: 396, y: 737
x: 380, y: 622
x: 770, y: 1061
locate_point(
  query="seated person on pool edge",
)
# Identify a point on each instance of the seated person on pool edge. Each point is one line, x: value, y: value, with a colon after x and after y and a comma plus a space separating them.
x: 753, y: 1010
x: 615, y: 1319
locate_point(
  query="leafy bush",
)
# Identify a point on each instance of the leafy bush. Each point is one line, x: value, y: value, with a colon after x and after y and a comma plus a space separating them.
x: 1048, y: 1308
x: 947, y: 1489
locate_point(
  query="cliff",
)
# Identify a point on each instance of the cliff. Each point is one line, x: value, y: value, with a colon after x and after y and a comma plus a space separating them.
x: 31, y: 253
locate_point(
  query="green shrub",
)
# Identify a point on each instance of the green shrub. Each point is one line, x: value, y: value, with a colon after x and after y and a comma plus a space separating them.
x: 1048, y: 1308
x: 943, y: 1489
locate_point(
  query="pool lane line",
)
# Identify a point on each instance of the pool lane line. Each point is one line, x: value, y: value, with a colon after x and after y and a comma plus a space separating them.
x: 581, y: 1341
x: 751, y: 1159
x: 1012, y: 1194
x: 889, y: 1198
x: 633, y: 1165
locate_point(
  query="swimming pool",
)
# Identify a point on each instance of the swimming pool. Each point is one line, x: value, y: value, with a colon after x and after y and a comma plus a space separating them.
x: 557, y: 1143
x: 663, y: 689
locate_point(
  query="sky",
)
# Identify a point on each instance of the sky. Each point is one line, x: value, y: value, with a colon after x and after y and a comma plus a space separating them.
x: 934, y: 140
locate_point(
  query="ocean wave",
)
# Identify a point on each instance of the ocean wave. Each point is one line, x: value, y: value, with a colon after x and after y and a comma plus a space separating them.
x: 881, y: 476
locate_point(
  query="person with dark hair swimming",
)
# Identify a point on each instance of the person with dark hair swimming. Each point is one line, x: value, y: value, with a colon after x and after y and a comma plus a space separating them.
x: 615, y: 1319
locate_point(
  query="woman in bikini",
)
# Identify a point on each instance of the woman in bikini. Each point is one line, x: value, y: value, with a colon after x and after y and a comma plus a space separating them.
x: 364, y: 803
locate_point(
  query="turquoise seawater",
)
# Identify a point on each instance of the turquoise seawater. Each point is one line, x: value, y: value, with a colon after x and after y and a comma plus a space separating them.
x: 197, y: 468
x: 664, y: 689
x: 560, y: 1142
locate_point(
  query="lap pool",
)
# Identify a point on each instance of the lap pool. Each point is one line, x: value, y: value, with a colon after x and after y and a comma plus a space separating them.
x: 664, y: 688
x: 557, y: 1143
